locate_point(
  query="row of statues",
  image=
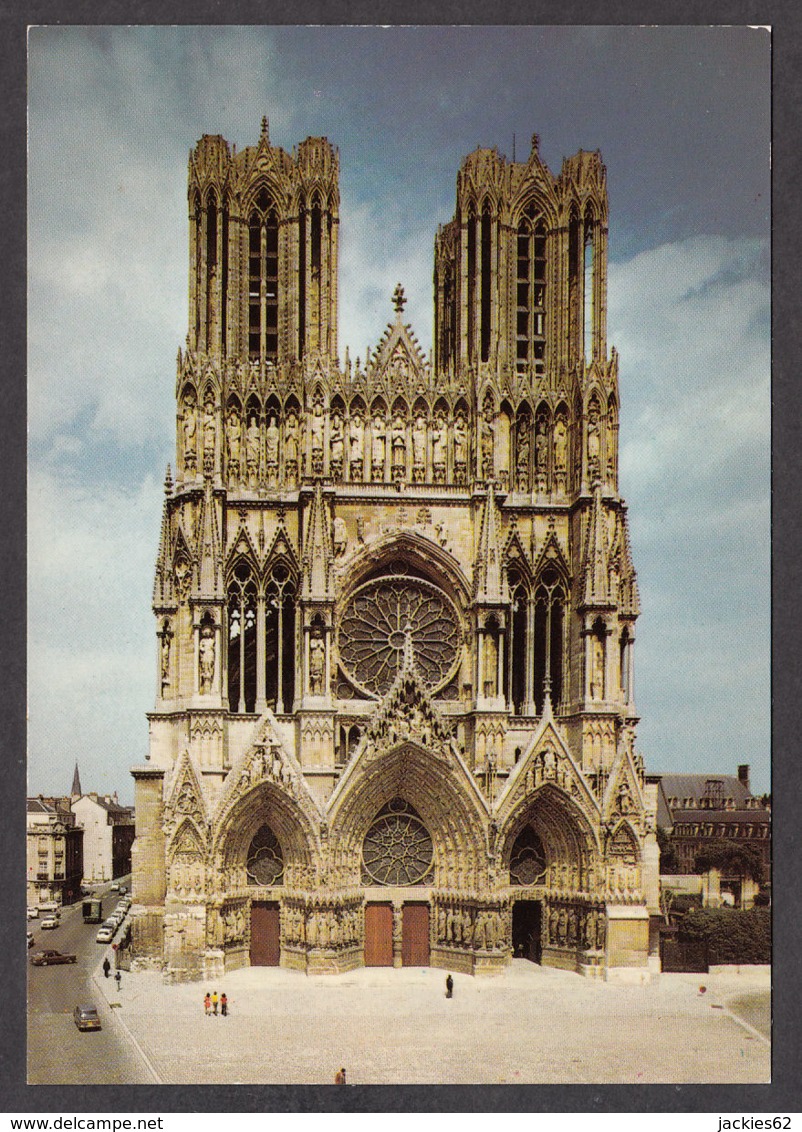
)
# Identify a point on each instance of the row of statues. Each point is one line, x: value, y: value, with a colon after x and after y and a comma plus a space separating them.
x: 326, y: 928
x: 575, y: 926
x: 371, y: 447
x: 482, y: 929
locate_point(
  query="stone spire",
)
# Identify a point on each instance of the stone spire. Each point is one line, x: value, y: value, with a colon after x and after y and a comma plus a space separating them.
x: 595, y: 565
x: 163, y: 581
x: 210, y: 574
x: 317, y: 551
x: 489, y: 586
x: 76, y: 791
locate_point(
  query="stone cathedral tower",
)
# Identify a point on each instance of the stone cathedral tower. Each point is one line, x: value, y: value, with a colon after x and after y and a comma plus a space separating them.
x: 394, y: 602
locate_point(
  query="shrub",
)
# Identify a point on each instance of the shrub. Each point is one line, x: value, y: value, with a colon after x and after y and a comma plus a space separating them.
x: 730, y: 857
x: 685, y: 902
x: 731, y: 935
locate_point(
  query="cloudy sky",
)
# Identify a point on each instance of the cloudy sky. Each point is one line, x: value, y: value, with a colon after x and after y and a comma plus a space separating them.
x: 681, y: 116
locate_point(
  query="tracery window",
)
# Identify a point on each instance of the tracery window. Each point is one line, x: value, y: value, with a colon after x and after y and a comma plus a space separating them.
x: 241, y: 603
x: 530, y: 329
x: 265, y: 861
x: 589, y: 306
x: 528, y: 858
x: 398, y: 848
x: 378, y: 619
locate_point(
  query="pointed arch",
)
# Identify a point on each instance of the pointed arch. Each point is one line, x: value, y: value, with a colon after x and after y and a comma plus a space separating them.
x: 566, y: 835
x: 241, y: 635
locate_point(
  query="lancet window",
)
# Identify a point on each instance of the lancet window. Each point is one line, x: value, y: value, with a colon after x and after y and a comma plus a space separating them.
x: 530, y: 328
x: 241, y: 602
x: 280, y: 639
x: 263, y: 283
x: 589, y: 304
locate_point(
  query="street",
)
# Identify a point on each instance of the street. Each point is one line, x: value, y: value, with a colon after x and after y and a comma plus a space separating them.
x: 57, y: 1052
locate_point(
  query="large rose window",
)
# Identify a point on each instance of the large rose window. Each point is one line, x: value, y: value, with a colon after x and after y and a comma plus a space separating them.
x: 397, y: 848
x: 378, y: 619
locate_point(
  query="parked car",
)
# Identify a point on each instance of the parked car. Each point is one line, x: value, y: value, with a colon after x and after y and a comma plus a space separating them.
x: 30, y: 939
x: 115, y: 887
x: 85, y: 1018
x: 122, y: 888
x: 105, y: 935
x: 50, y: 906
x: 49, y: 923
x: 33, y: 912
x: 49, y: 958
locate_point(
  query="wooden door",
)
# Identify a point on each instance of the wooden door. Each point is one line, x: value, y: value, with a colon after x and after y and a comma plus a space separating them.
x: 415, y: 935
x: 378, y: 935
x: 265, y: 934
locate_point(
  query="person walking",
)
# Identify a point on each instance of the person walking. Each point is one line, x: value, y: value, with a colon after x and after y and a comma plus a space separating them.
x: 339, y: 1077
x: 223, y: 1004
x: 215, y: 1001
x: 106, y: 967
x: 207, y: 1003
x: 449, y: 987
x: 118, y: 979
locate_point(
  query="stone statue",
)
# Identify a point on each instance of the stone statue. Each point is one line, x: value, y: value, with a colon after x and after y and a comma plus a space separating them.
x: 460, y: 448
x: 209, y: 432
x: 522, y: 456
x: 317, y: 662
x: 252, y: 446
x: 165, y: 655
x: 594, y: 446
x: 234, y: 436
x: 541, y: 446
x: 312, y: 930
x: 316, y: 429
x: 291, y: 447
x: 337, y: 445
x: 488, y: 444
x: 356, y: 441
x: 340, y: 534
x: 597, y: 669
x: 439, y: 449
x: 271, y: 451
x: 206, y: 659
x: 399, y: 440
x: 378, y: 448
x: 560, y: 444
x: 419, y: 449
x: 190, y: 432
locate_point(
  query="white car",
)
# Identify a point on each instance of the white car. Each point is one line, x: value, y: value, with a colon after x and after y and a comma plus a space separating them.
x: 33, y: 913
x: 50, y: 922
x: 105, y: 935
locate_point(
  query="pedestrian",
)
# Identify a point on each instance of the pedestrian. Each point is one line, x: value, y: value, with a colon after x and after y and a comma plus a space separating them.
x: 449, y: 987
x: 106, y: 966
x: 207, y: 1003
x: 339, y: 1077
x: 215, y: 1001
x: 223, y: 1004
x: 118, y: 978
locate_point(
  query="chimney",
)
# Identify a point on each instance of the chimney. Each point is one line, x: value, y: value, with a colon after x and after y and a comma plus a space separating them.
x: 743, y: 776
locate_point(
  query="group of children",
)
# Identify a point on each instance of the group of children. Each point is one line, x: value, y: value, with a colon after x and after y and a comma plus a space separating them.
x: 211, y: 1001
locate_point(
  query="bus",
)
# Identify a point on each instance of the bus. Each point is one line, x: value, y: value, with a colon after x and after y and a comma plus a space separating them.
x: 93, y: 910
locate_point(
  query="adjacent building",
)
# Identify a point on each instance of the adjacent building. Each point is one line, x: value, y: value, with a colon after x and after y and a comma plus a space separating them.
x: 394, y: 600
x: 54, y: 852
x: 708, y: 817
x: 108, y: 835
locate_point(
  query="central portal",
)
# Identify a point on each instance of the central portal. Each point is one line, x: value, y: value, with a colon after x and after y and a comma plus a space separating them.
x: 526, y: 926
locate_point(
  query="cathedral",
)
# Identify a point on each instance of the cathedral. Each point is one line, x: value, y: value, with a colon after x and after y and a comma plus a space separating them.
x: 394, y: 597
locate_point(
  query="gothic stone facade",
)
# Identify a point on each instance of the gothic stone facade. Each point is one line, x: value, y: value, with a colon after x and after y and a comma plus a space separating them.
x: 395, y: 603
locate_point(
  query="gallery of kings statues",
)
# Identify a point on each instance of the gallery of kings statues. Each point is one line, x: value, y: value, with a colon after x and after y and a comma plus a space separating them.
x: 394, y: 599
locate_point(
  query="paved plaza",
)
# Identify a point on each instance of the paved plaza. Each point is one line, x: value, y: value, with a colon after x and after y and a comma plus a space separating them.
x: 530, y: 1025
